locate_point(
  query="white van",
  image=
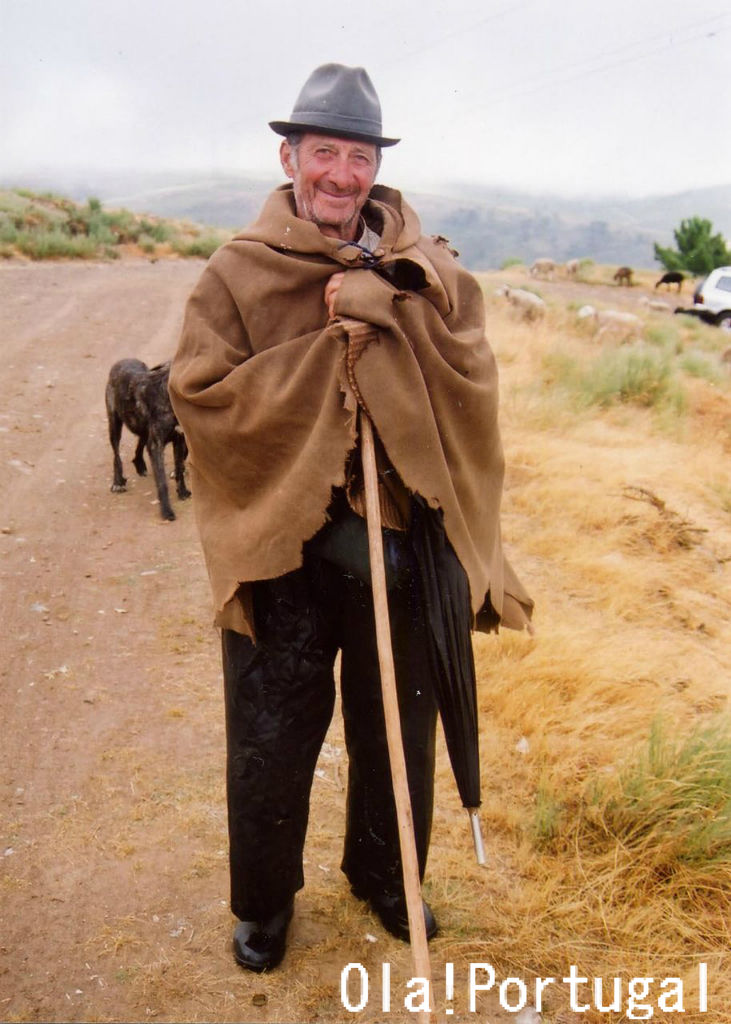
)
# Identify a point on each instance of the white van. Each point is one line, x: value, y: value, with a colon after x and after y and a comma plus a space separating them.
x: 712, y: 299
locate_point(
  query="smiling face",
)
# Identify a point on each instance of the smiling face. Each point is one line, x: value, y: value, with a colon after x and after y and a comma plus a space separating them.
x: 332, y: 178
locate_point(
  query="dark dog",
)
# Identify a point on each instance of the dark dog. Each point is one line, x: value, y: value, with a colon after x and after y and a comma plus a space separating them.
x: 138, y: 399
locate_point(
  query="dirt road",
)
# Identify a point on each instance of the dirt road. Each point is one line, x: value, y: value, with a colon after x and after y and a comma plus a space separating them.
x: 103, y: 604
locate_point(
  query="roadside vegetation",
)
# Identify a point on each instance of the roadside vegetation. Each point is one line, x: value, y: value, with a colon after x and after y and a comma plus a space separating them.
x: 607, y: 738
x: 47, y: 226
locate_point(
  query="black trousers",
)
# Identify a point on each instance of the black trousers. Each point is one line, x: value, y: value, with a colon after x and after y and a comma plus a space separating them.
x: 279, y: 697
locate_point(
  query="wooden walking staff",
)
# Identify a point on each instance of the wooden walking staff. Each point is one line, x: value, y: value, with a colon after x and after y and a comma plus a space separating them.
x: 409, y: 858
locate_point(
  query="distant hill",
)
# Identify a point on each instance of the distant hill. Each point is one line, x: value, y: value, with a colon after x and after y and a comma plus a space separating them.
x: 487, y: 225
x: 487, y: 233
x: 490, y: 225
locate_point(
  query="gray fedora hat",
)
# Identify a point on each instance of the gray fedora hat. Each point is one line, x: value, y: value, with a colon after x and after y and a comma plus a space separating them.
x: 337, y: 100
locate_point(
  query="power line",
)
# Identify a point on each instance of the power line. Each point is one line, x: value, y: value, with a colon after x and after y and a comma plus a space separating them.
x: 541, y: 78
x: 696, y: 25
x: 458, y: 32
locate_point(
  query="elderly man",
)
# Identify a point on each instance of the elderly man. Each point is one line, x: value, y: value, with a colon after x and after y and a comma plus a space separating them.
x: 332, y: 299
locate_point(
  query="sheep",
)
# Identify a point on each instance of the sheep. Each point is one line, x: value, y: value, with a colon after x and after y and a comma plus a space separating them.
x: 621, y: 325
x: 657, y: 304
x: 530, y: 306
x: 671, y: 277
x: 543, y: 267
x: 571, y: 267
x: 624, y: 276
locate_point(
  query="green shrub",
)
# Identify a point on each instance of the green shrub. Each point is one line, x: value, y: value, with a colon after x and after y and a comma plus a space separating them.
x: 203, y: 246
x: 632, y: 374
x: 635, y: 375
x: 658, y: 825
x: 123, y: 226
x: 161, y: 232
x: 547, y: 816
x: 665, y: 336
x: 54, y: 244
x: 8, y: 230
x: 157, y: 230
x: 99, y: 231
x: 675, y: 797
x: 701, y: 335
x: 695, y: 364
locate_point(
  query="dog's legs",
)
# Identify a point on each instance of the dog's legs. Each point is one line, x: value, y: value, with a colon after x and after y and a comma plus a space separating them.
x: 157, y: 451
x: 180, y: 451
x: 119, y: 482
x: 139, y: 459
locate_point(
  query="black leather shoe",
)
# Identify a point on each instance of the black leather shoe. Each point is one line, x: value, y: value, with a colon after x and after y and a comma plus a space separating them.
x: 260, y: 945
x: 391, y: 911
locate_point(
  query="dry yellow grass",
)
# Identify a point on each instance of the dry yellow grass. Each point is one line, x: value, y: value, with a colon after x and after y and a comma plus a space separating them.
x: 616, y: 522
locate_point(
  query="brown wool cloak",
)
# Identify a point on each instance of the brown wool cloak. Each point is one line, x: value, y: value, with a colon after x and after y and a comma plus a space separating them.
x: 258, y: 385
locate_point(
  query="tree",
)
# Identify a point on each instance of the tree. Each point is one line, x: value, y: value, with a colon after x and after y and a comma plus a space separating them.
x: 699, y: 251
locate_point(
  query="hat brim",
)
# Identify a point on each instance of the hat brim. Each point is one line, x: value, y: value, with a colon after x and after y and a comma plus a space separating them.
x: 286, y: 127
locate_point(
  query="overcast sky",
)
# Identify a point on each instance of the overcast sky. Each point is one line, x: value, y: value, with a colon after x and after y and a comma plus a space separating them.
x: 624, y: 97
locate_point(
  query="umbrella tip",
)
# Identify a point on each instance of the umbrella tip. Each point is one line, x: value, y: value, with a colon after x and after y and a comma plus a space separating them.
x: 477, y: 835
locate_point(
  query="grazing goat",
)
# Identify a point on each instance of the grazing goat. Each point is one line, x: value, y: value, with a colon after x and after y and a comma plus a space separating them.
x: 672, y: 277
x: 530, y: 306
x: 138, y: 399
x: 623, y: 326
x: 543, y: 267
x: 624, y: 276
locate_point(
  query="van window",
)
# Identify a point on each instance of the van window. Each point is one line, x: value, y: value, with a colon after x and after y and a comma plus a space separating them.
x: 724, y: 283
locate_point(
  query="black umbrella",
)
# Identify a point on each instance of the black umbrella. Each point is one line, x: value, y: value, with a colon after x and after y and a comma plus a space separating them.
x: 446, y: 595
x: 445, y: 592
